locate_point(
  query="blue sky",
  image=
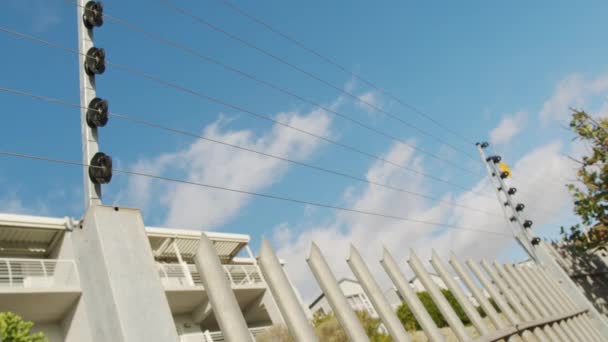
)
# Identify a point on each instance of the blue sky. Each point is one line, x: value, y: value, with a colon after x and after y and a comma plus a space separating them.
x: 506, y: 72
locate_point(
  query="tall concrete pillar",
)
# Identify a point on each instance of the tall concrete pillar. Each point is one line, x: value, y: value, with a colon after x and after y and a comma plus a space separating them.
x: 121, y: 292
x: 344, y: 313
x: 375, y: 294
x: 219, y: 290
x: 284, y: 295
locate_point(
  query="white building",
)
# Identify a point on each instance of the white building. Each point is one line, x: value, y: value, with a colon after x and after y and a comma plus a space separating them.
x: 356, y: 297
x: 416, y: 284
x: 354, y: 294
x: 40, y: 278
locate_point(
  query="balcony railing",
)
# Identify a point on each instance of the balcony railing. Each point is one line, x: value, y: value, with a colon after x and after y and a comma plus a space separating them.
x: 187, y: 275
x: 217, y: 336
x: 38, y: 273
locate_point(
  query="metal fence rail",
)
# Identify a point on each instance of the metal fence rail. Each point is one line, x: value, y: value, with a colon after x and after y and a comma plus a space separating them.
x: 38, y: 273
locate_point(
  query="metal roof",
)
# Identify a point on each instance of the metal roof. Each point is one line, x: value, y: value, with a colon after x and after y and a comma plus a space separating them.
x: 30, y: 235
x: 26, y: 235
x: 226, y: 245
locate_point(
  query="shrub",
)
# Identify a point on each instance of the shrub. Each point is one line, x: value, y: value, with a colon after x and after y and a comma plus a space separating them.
x: 409, y: 321
x: 483, y: 313
x: 14, y: 329
x: 328, y: 328
x: 276, y: 333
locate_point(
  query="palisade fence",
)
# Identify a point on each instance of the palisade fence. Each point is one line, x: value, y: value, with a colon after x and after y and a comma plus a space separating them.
x: 588, y: 270
x: 531, y: 305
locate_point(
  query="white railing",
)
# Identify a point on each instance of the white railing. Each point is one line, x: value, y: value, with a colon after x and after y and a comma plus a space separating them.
x: 38, y: 273
x: 243, y: 275
x: 217, y: 336
x: 187, y: 275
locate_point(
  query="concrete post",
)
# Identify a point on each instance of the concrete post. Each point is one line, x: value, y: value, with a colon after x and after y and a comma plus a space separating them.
x: 477, y: 293
x: 539, y: 253
x: 373, y: 291
x: 345, y: 314
x: 507, y: 308
x: 439, y: 299
x: 284, y: 294
x: 124, y: 299
x: 456, y: 290
x: 90, y: 146
x: 410, y: 297
x: 219, y: 290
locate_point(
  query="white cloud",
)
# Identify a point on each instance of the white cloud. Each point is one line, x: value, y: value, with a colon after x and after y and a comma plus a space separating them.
x: 206, y: 162
x: 573, y: 91
x: 369, y: 234
x: 509, y: 127
x: 368, y: 101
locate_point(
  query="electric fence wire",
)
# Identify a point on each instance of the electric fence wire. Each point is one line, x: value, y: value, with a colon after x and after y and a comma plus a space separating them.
x: 257, y: 194
x: 339, y: 66
x: 325, y: 82
x: 344, y: 69
x: 211, y: 99
x: 247, y: 149
x: 237, y: 108
x: 275, y: 87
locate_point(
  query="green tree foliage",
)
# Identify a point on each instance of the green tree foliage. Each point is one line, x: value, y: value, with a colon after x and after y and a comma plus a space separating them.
x: 328, y: 328
x: 590, y: 193
x: 409, y: 321
x: 14, y: 329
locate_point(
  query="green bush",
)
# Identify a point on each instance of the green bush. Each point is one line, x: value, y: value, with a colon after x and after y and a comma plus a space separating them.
x: 409, y: 321
x: 483, y: 313
x: 328, y: 328
x: 14, y: 329
x: 276, y: 333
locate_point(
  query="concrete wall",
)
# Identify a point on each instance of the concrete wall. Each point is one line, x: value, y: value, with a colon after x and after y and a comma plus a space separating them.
x: 187, y: 330
x: 52, y: 331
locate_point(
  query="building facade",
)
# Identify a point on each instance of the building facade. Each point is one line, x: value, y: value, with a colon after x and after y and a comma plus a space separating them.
x: 41, y: 279
x: 354, y: 294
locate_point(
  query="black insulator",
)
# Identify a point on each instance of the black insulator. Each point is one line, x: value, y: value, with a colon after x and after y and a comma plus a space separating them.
x: 506, y: 204
x: 520, y: 207
x: 100, y: 168
x: 512, y: 191
x: 494, y: 159
x: 504, y: 174
x: 493, y: 174
x: 97, y: 114
x: 499, y: 188
x: 95, y: 61
x: 528, y: 224
x: 512, y: 219
x: 484, y: 144
x: 93, y: 14
x: 535, y: 241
